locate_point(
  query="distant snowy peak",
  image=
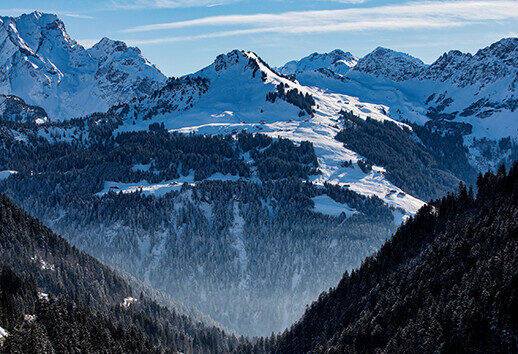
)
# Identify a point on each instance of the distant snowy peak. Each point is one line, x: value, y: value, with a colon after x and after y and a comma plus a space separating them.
x: 488, y: 65
x: 338, y: 61
x: 236, y: 62
x: 33, y: 32
x: 124, y: 71
x: 40, y: 63
x: 390, y: 64
x: 491, y: 64
x: 108, y: 51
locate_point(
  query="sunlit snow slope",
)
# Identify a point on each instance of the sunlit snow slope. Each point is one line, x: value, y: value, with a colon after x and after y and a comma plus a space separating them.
x: 473, y: 95
x: 235, y: 93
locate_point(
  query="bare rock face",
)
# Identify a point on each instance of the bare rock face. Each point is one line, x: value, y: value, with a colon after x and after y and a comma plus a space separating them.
x: 388, y: 63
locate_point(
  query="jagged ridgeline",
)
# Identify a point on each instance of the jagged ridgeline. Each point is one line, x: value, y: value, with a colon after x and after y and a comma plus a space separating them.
x: 241, y: 248
x: 446, y: 282
x: 54, y: 298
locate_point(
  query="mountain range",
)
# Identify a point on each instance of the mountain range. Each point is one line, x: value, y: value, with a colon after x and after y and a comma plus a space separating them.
x: 223, y: 188
x: 474, y: 95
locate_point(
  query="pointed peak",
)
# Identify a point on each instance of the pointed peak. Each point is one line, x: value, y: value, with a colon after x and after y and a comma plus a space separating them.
x: 382, y: 53
x: 108, y: 47
x: 390, y: 64
x: 339, y: 52
x: 509, y: 42
x: 504, y: 48
x: 233, y: 58
x: 336, y: 60
x: 39, y: 17
x: 106, y: 42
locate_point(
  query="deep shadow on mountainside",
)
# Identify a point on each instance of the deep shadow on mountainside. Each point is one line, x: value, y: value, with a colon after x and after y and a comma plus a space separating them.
x: 54, y: 298
x: 447, y: 281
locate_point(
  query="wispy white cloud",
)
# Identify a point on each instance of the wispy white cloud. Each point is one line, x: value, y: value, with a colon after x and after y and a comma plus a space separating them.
x: 76, y: 15
x: 167, y: 4
x: 455, y: 12
x: 389, y: 23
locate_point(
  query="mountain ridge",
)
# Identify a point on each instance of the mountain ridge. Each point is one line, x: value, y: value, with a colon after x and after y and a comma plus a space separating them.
x: 49, y: 69
x: 445, y: 281
x: 60, y: 271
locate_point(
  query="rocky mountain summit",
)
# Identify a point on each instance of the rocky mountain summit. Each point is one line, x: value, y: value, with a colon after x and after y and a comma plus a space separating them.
x: 40, y: 63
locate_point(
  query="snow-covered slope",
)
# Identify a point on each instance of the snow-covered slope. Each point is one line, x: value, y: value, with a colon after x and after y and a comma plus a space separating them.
x: 475, y: 86
x: 239, y: 91
x: 40, y: 63
x: 474, y: 95
x: 122, y: 72
x: 337, y: 60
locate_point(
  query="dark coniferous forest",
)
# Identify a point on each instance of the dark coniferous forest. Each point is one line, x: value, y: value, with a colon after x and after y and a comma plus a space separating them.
x: 186, y: 242
x: 58, y: 299
x: 447, y: 281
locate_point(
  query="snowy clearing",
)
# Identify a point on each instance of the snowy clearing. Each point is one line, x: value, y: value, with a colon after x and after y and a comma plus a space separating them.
x: 326, y: 205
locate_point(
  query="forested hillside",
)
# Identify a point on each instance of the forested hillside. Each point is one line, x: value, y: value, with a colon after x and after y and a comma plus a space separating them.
x: 446, y: 282
x: 54, y: 297
x: 421, y: 161
x: 240, y: 248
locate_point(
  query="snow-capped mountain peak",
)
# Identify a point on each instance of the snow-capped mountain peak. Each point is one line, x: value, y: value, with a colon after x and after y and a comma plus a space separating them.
x: 337, y: 60
x: 239, y: 91
x: 388, y: 63
x: 236, y: 61
x: 488, y: 65
x: 107, y: 46
x: 41, y: 64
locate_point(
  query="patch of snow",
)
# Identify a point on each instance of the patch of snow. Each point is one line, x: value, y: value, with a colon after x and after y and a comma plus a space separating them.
x: 326, y: 205
x: 295, y: 280
x: 140, y: 167
x: 128, y: 301
x: 400, y: 217
x: 29, y: 318
x: 43, y: 264
x: 239, y: 244
x: 161, y: 188
x: 3, y: 335
x: 5, y: 174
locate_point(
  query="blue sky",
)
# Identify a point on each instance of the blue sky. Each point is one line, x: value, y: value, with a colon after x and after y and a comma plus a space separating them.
x: 182, y: 36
